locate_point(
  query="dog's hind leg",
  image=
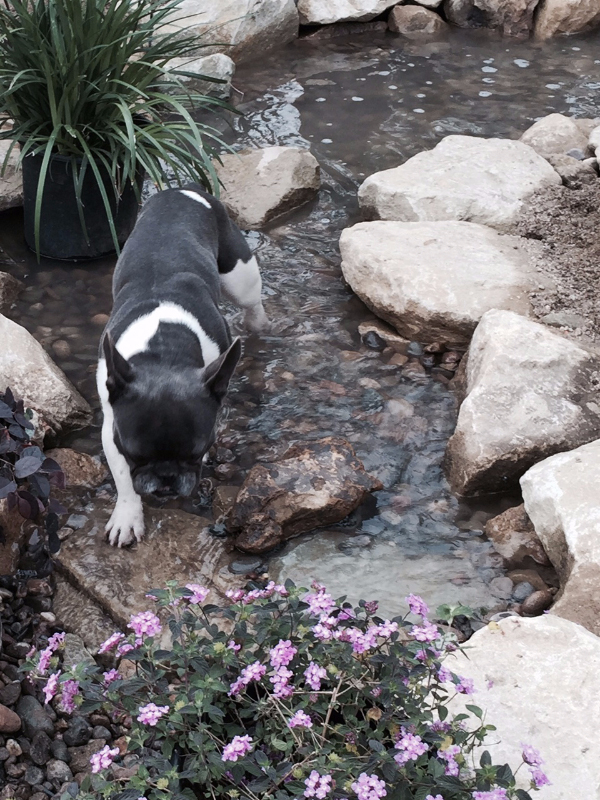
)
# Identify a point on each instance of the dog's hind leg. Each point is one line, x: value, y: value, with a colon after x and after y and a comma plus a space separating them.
x: 239, y: 273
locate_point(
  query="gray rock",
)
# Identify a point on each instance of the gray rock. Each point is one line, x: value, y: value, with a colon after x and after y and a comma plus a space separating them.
x: 530, y: 393
x: 555, y: 134
x: 522, y: 591
x: 34, y: 776
x: 216, y: 65
x: 11, y: 183
x: 574, y: 173
x: 33, y: 376
x: 433, y: 281
x: 100, y: 732
x: 565, y: 16
x: 501, y: 588
x: 462, y: 178
x: 78, y: 733
x: 57, y: 771
x: 261, y: 185
x: 34, y: 717
x: 41, y: 748
x: 59, y: 750
x: 564, y: 319
x: 80, y: 756
x: 324, y: 12
x: 75, y: 652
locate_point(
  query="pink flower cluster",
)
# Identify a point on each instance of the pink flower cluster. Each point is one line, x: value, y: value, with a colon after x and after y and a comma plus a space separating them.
x: 199, y: 593
x: 417, y: 605
x: 320, y: 603
x: 253, y: 672
x: 51, y: 687
x: 151, y: 713
x: 495, y: 794
x: 300, y: 720
x: 465, y: 686
x: 110, y: 676
x: 54, y: 642
x: 70, y: 690
x: 314, y: 674
x: 240, y: 596
x: 449, y: 756
x: 231, y: 645
x: 103, y: 758
x: 111, y: 642
x: 281, y: 682
x: 411, y: 747
x: 282, y: 653
x: 427, y: 632
x: 369, y: 787
x: 437, y: 797
x: 534, y: 760
x: 317, y: 785
x: 145, y: 624
x: 238, y: 747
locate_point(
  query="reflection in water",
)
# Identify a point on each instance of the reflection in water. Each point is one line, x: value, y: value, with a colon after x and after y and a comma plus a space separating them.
x: 362, y: 105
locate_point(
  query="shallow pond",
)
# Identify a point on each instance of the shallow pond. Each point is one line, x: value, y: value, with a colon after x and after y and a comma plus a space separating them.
x: 362, y: 104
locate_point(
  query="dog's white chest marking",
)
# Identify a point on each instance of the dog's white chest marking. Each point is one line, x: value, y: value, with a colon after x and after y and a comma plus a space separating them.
x: 136, y: 338
x: 195, y: 196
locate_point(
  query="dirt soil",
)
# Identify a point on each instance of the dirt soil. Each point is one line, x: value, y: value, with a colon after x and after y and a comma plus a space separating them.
x: 566, y: 224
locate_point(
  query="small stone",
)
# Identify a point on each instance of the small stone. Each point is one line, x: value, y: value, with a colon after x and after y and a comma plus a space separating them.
x: 243, y: 565
x: 9, y: 721
x: 61, y: 348
x: 373, y: 341
x: 415, y: 21
x: 522, y: 591
x: 34, y: 775
x: 100, y: 732
x: 529, y: 576
x: 58, y: 771
x: 536, y: 603
x: 398, y: 360
x: 414, y: 350
x: 59, y: 750
x: 4, y: 754
x: 501, y: 588
x: 76, y: 521
x: 226, y: 472
x: 78, y: 733
x: 40, y: 749
x: 99, y: 319
x: 10, y: 693
x: 14, y: 748
x: 75, y: 652
x: 80, y: 756
x: 34, y: 717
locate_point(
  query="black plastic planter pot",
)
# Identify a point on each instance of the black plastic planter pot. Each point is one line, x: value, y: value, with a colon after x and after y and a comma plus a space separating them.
x: 61, y: 233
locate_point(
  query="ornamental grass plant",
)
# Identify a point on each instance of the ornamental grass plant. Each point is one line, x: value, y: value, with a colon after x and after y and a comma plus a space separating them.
x: 85, y: 79
x: 279, y: 695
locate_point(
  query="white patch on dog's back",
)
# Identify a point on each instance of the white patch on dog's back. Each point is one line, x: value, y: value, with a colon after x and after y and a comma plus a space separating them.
x: 137, y: 336
x: 195, y: 196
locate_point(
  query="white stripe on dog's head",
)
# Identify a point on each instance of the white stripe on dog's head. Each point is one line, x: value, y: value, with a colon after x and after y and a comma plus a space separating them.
x: 137, y: 336
x: 195, y: 196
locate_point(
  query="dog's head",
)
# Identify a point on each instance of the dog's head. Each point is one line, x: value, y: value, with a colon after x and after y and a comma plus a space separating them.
x: 164, y: 421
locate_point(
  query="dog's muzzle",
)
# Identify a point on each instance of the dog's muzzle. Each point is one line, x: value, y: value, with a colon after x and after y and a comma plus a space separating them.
x: 165, y: 480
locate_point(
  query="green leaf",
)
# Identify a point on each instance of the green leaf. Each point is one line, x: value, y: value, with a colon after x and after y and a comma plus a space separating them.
x: 279, y: 744
x: 475, y: 710
x: 485, y: 759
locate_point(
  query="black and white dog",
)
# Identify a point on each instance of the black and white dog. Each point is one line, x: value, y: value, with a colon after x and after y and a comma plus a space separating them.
x: 166, y: 355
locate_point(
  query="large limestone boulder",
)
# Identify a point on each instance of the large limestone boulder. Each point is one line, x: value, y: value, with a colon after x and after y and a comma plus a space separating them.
x: 247, y: 28
x: 216, y: 65
x: 323, y: 12
x: 539, y: 683
x: 311, y: 486
x: 11, y: 183
x: 177, y: 547
x: 512, y: 17
x: 555, y: 133
x: 261, y: 185
x: 414, y: 21
x: 562, y: 498
x: 433, y: 281
x: 566, y: 16
x: 529, y: 395
x: 463, y: 177
x: 29, y: 371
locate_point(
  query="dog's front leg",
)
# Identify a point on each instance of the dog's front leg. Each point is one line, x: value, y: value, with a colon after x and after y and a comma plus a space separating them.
x: 126, y: 523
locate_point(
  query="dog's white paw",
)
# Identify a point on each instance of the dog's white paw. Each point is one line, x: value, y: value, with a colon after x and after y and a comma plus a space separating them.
x: 126, y: 524
x: 256, y: 320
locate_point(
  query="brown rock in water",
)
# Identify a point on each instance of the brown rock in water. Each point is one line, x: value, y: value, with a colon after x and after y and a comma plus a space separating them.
x: 313, y: 485
x: 413, y: 21
x: 10, y: 288
x: 536, y: 603
x: 514, y: 537
x: 80, y: 469
x: 80, y: 756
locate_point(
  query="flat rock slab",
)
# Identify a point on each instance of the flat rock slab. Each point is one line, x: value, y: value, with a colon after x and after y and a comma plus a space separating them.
x: 312, y: 486
x: 178, y: 547
x: 324, y: 12
x: 245, y: 29
x: 565, y: 16
x: 78, y: 614
x: 529, y: 394
x: 29, y: 371
x: 433, y: 281
x: 261, y: 185
x: 464, y: 178
x: 544, y: 690
x: 11, y: 183
x: 562, y: 498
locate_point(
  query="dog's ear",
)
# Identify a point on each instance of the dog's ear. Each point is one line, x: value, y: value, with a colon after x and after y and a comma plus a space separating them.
x: 118, y: 370
x: 218, y: 373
